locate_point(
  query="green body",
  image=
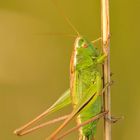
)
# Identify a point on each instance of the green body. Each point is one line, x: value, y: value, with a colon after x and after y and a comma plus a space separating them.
x: 86, y: 78
x: 85, y: 88
x: 84, y: 93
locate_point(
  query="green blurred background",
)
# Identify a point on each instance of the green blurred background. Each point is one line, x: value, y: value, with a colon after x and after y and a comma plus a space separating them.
x: 34, y: 66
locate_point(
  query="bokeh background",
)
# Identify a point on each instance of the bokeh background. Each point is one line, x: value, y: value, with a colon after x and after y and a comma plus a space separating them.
x: 34, y: 65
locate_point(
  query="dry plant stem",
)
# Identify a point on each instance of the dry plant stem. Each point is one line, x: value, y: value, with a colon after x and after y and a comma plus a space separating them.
x: 106, y: 67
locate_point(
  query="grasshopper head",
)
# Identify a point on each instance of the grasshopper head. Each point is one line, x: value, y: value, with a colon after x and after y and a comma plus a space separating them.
x: 84, y: 47
x: 81, y: 42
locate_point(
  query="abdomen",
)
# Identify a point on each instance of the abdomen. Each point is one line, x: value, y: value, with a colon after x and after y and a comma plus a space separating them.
x: 82, y: 80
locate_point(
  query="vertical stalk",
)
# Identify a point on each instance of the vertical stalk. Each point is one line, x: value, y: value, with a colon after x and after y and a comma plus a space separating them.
x: 105, y: 26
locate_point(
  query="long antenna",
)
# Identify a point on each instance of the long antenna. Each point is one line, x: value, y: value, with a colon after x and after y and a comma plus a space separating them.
x: 66, y: 18
x: 56, y: 34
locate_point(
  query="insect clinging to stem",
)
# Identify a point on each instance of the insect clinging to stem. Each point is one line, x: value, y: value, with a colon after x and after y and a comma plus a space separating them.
x: 84, y: 93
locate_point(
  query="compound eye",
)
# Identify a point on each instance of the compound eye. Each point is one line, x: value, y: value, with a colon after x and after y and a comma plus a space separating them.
x: 81, y: 41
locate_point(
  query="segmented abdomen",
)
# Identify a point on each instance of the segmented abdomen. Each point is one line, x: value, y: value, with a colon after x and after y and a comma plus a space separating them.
x: 82, y: 80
